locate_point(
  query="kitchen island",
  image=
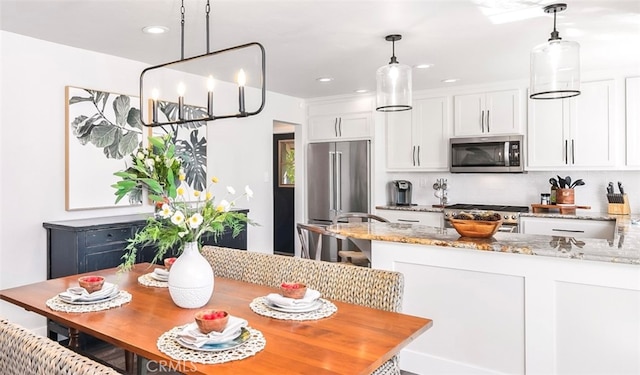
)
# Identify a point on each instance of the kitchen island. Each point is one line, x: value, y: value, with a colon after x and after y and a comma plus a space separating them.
x: 514, y: 303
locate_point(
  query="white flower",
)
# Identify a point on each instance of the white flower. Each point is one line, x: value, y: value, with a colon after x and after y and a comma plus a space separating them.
x: 249, y: 192
x: 224, y: 205
x: 166, y: 211
x: 177, y: 218
x: 140, y: 155
x: 195, y: 220
x: 231, y: 190
x: 149, y: 163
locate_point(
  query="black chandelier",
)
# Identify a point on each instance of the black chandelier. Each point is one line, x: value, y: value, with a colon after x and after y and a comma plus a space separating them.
x: 198, y: 69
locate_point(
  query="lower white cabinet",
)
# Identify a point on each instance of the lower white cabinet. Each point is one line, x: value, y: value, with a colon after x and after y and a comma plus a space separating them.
x: 577, y: 228
x: 496, y: 313
x: 432, y: 219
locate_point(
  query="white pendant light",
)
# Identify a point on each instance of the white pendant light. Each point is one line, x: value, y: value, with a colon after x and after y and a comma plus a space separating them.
x: 555, y: 65
x: 393, y: 83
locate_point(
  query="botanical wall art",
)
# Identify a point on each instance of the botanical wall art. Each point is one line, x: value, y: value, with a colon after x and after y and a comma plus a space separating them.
x: 190, y: 140
x: 286, y: 162
x: 102, y: 129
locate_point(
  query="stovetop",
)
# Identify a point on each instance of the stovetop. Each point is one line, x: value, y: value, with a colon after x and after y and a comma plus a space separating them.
x: 487, y: 207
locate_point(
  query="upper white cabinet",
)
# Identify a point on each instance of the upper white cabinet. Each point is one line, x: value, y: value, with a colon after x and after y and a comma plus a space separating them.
x: 633, y: 121
x: 574, y: 132
x: 340, y: 120
x: 418, y: 139
x: 496, y: 112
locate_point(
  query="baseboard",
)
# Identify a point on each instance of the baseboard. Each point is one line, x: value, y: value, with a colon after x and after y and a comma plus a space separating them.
x: 423, y: 364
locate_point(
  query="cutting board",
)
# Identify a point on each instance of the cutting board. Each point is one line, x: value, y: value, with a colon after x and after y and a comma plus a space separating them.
x: 564, y: 210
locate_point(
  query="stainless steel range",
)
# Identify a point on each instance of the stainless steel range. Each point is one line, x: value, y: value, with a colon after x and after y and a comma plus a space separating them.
x: 510, y: 214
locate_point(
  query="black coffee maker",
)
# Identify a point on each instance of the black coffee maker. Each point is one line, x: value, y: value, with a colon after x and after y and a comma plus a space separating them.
x: 400, y: 192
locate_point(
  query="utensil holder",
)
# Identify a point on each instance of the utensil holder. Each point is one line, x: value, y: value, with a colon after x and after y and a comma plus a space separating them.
x: 620, y: 208
x: 565, y: 196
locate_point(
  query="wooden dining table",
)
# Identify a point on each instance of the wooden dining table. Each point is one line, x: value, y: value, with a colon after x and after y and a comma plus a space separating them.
x: 354, y: 340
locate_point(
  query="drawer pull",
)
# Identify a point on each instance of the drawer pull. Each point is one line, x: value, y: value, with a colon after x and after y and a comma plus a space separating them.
x: 567, y: 230
x: 409, y: 220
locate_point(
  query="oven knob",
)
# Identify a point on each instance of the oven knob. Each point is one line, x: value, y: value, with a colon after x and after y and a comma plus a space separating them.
x: 513, y: 217
x: 506, y: 217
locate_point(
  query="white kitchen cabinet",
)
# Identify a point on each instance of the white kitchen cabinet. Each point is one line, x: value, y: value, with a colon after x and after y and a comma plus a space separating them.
x: 340, y: 120
x: 496, y: 112
x: 573, y: 132
x: 418, y: 139
x: 432, y: 219
x: 347, y: 126
x: 633, y: 121
x: 576, y: 228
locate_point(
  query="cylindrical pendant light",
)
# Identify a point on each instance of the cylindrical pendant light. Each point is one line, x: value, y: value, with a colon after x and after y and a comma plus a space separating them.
x: 394, y: 83
x: 555, y: 65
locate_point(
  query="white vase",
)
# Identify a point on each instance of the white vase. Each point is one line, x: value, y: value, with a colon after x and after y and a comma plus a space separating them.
x: 191, y: 278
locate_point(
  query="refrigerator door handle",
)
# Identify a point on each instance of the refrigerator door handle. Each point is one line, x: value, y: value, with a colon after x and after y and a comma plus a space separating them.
x: 338, y: 182
x: 332, y: 163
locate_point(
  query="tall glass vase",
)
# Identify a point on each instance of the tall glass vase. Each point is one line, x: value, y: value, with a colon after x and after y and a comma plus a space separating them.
x: 191, y: 278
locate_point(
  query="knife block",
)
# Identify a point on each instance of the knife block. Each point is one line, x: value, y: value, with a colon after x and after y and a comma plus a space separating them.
x: 620, y: 208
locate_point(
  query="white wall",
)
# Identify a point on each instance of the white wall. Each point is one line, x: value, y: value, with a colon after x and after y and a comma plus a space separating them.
x: 32, y: 142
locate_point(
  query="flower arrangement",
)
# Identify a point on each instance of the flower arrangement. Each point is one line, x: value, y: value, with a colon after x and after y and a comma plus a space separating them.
x: 184, y: 215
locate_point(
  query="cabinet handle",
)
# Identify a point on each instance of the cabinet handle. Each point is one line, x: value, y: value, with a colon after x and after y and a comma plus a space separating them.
x: 418, y: 155
x: 340, y: 126
x: 482, y: 120
x: 335, y: 126
x: 413, y: 155
x: 488, y: 123
x: 409, y: 221
x: 567, y: 230
x: 566, y: 151
x: 573, y: 152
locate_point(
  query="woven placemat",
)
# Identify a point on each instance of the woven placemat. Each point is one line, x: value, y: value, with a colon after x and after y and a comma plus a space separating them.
x: 168, y: 345
x: 147, y: 280
x: 259, y: 306
x: 58, y: 304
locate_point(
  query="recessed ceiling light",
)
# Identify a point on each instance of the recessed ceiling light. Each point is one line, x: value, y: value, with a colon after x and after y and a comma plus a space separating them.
x: 423, y: 66
x: 155, y: 29
x: 450, y: 80
x: 361, y: 91
x: 324, y: 79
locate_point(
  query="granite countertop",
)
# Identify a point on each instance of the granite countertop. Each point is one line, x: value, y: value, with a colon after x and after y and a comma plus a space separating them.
x: 624, y: 248
x: 417, y: 208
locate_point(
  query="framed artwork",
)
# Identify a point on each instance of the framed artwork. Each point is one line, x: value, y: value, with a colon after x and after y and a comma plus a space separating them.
x: 101, y: 130
x: 286, y: 163
x: 190, y: 140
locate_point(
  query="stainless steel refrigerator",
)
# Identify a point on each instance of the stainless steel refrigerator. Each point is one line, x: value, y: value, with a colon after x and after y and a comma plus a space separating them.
x: 338, y: 180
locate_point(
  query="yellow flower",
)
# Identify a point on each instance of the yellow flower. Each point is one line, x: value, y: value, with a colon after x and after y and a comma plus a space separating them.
x: 182, y: 177
x: 208, y: 196
x: 196, y: 193
x: 220, y: 208
x: 214, y: 179
x: 180, y: 191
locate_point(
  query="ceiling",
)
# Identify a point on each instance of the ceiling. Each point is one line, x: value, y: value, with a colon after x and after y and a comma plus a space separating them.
x: 475, y: 41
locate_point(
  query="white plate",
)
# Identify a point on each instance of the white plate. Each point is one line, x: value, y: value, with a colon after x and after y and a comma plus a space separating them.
x: 243, y: 337
x: 315, y: 305
x: 108, y: 298
x: 157, y: 277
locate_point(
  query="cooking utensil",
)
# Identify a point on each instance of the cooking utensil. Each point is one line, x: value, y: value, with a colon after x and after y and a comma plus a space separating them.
x: 610, y: 188
x: 561, y: 182
x: 567, y: 181
x: 553, y: 182
x: 620, y: 187
x: 577, y: 182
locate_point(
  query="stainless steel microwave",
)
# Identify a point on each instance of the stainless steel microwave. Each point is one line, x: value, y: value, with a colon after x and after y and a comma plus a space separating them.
x: 496, y: 154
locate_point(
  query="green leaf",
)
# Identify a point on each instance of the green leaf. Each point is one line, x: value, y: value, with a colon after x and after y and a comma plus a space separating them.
x: 157, y: 142
x: 156, y: 198
x: 128, y: 143
x: 124, y: 174
x: 121, y: 107
x: 152, y: 184
x: 103, y: 135
x: 79, y: 99
x: 133, y: 118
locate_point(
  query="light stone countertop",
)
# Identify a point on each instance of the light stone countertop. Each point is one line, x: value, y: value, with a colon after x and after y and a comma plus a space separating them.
x: 624, y: 248
x: 417, y: 208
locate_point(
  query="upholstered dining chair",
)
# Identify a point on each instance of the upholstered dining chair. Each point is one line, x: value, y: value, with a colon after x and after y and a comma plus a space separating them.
x: 355, y: 257
x: 22, y: 352
x: 378, y: 289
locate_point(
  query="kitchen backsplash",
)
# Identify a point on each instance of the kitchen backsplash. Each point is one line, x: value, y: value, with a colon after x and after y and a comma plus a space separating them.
x: 519, y: 189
